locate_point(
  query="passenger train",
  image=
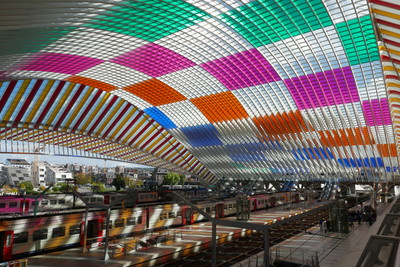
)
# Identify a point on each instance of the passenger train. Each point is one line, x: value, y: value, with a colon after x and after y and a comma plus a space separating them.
x: 59, y: 202
x: 24, y: 236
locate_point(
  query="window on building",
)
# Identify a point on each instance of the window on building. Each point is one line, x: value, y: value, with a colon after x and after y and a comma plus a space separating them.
x: 18, y: 171
x: 58, y: 232
x: 21, y: 178
x: 40, y: 234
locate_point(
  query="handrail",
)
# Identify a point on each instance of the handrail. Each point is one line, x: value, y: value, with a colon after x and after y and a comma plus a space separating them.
x: 15, y: 263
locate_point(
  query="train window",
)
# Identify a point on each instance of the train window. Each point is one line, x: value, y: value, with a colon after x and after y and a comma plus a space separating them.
x: 119, y: 223
x: 75, y: 229
x: 109, y: 226
x: 163, y: 216
x: 2, y: 205
x: 44, y: 202
x: 53, y: 202
x: 179, y: 214
x: 139, y: 219
x: 99, y: 199
x: 113, y: 198
x: 12, y: 204
x: 58, y: 232
x: 131, y: 221
x: 234, y: 205
x: 225, y: 207
x: 171, y: 215
x: 40, y: 234
x: 230, y: 206
x: 208, y: 209
x: 212, y: 208
x: 21, y: 237
x: 61, y: 201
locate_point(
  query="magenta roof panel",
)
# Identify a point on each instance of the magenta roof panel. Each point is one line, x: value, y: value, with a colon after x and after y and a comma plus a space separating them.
x: 154, y: 60
x: 242, y: 70
x: 71, y: 64
x: 332, y: 87
x: 376, y: 112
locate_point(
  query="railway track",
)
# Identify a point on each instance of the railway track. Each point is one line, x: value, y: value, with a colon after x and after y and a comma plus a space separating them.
x: 241, y: 248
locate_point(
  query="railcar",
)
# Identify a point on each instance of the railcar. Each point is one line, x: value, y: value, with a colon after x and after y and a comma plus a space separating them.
x: 23, y: 236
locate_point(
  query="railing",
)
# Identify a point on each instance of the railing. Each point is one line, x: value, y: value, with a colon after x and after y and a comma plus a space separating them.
x: 16, y: 263
x: 303, y: 257
x: 384, y: 247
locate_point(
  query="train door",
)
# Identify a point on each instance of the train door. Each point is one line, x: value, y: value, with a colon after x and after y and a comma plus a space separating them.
x: 6, y: 241
x: 219, y: 211
x: 94, y: 229
x: 272, y: 200
x: 24, y: 205
x: 187, y: 217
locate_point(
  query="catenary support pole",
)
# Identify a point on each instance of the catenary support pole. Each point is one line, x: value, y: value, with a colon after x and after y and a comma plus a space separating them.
x: 214, y: 244
x: 106, y: 256
x: 266, y: 248
x: 85, y: 249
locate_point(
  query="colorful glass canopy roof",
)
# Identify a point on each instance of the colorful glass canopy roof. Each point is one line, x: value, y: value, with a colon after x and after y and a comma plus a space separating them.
x: 273, y: 89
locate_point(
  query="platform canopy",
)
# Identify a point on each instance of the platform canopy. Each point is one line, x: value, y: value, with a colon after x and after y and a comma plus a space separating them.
x: 255, y: 90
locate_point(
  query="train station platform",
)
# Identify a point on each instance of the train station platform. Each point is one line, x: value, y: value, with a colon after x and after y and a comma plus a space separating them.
x: 178, y: 242
x: 327, y: 249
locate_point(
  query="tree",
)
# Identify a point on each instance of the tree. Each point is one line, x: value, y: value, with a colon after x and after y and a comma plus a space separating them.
x: 171, y: 178
x: 98, y: 187
x: 182, y: 179
x: 62, y: 187
x: 83, y: 178
x: 139, y: 183
x: 119, y: 181
x: 28, y: 186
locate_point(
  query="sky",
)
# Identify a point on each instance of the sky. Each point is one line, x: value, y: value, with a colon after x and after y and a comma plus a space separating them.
x: 71, y: 160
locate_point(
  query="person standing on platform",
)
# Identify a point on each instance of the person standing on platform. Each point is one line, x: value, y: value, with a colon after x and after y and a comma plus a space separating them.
x: 320, y: 226
x: 324, y: 227
x: 328, y: 225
